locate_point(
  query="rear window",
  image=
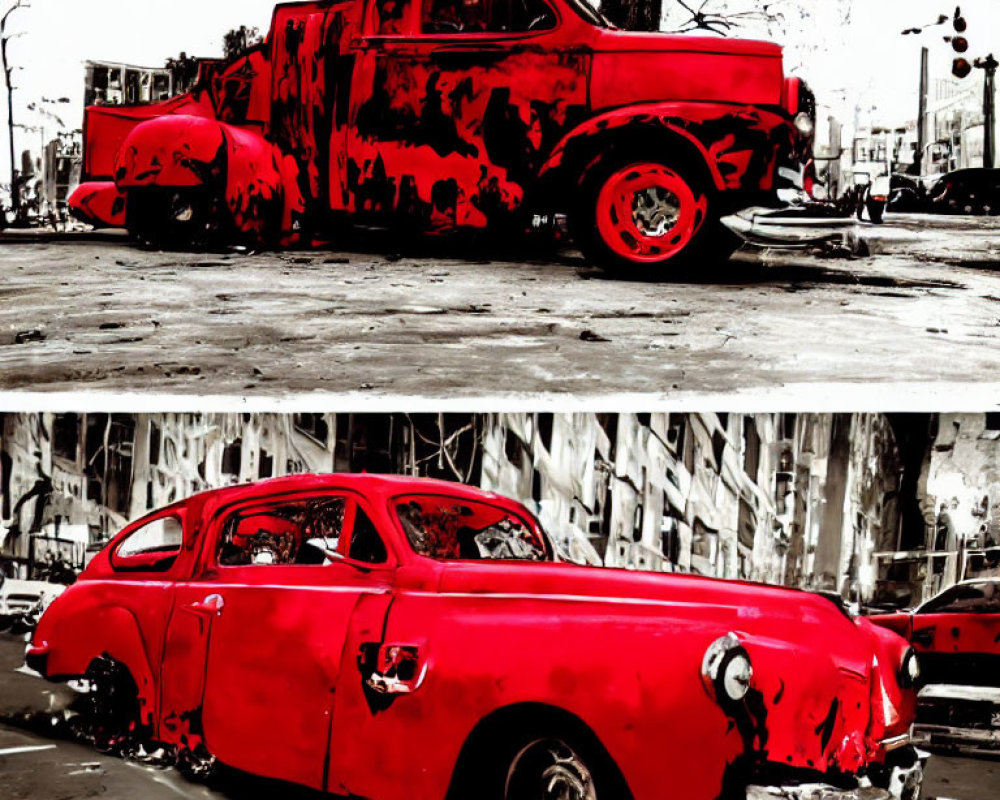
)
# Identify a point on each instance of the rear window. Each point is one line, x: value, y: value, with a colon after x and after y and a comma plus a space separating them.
x: 452, y: 529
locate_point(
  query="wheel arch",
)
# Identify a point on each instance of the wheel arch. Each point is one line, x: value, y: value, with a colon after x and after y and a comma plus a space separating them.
x: 254, y: 181
x: 110, y: 632
x: 574, y: 161
x: 506, y: 722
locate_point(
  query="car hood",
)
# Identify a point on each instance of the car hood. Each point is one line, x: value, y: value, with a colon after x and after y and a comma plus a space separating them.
x: 770, y: 611
x: 611, y: 40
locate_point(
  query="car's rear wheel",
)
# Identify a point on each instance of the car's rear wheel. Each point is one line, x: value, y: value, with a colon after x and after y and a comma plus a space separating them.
x: 876, y: 210
x: 647, y: 219
x: 174, y: 218
x: 111, y: 711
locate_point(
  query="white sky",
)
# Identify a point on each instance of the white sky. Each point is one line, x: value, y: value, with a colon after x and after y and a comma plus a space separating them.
x: 868, y: 63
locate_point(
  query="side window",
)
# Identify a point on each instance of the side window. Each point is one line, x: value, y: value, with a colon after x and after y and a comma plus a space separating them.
x: 304, y: 532
x: 391, y: 16
x: 366, y: 544
x: 486, y: 16
x: 152, y: 548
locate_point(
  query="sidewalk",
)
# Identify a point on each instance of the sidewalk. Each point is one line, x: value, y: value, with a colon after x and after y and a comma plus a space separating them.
x: 43, y: 236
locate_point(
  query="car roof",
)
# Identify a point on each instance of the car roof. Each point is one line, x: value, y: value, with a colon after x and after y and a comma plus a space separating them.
x: 387, y: 486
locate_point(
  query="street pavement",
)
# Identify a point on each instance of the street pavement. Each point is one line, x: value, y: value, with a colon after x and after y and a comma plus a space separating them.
x: 34, y: 766
x: 911, y: 320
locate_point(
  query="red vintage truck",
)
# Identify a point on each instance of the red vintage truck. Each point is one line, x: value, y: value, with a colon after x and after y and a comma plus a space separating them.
x: 441, y: 115
x: 404, y: 639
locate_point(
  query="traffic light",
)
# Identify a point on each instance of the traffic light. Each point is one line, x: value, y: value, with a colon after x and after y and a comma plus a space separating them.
x: 960, y: 67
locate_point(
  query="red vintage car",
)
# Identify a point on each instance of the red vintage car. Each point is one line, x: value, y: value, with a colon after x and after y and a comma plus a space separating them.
x: 397, y: 639
x: 441, y: 115
x: 957, y: 634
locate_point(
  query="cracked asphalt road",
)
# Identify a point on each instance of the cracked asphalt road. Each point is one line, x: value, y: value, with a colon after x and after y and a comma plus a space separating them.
x: 92, y: 312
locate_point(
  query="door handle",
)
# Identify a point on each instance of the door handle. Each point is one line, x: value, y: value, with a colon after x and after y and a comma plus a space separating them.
x: 209, y: 607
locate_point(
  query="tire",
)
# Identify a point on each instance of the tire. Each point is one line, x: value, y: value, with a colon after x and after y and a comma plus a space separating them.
x: 642, y: 218
x: 111, y: 711
x: 549, y: 762
x: 876, y: 211
x: 174, y: 218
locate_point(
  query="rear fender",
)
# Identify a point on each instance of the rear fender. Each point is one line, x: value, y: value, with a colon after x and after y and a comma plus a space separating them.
x: 258, y: 183
x: 737, y: 146
x: 73, y: 639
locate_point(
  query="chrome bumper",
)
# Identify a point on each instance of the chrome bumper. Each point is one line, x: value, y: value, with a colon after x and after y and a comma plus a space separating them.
x: 904, y: 782
x: 770, y: 227
x: 815, y: 791
x: 982, y: 736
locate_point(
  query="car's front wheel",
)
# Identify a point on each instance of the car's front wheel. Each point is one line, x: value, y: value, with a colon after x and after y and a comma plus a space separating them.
x: 647, y: 219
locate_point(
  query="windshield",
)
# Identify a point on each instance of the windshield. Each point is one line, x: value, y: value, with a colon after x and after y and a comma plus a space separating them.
x: 451, y: 529
x: 965, y: 598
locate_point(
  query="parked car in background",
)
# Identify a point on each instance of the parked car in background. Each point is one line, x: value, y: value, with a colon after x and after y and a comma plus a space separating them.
x: 441, y: 116
x: 957, y: 637
x: 966, y: 191
x: 397, y: 639
x: 22, y: 602
x: 906, y: 194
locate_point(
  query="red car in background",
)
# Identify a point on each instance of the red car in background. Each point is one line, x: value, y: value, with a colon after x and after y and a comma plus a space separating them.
x: 957, y: 635
x: 398, y: 639
x: 438, y: 115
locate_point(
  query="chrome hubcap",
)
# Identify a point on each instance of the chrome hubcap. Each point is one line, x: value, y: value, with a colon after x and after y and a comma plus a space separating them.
x: 555, y: 772
x: 655, y: 211
x: 181, y: 210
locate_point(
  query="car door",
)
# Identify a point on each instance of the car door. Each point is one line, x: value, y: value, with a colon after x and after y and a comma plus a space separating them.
x: 269, y: 617
x: 455, y: 105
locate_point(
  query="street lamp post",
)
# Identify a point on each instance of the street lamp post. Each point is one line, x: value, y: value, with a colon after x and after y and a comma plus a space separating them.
x: 8, y: 72
x: 989, y: 67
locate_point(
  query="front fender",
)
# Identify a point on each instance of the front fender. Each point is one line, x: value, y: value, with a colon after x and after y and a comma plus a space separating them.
x: 738, y: 145
x: 257, y: 181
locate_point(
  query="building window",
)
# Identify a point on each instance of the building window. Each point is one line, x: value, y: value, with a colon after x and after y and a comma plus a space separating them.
x: 545, y: 422
x: 232, y: 457
x: 751, y: 453
x: 66, y: 436
x: 786, y: 426
x: 783, y: 490
x: 313, y: 426
x: 154, y: 444
x: 265, y: 468
x: 513, y: 449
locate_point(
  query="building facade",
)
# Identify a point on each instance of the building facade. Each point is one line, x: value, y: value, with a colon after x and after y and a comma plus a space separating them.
x: 797, y: 499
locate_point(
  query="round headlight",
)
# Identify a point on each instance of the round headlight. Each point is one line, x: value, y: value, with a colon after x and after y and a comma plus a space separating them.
x: 909, y: 672
x: 726, y: 670
x: 804, y: 124
x: 737, y: 676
